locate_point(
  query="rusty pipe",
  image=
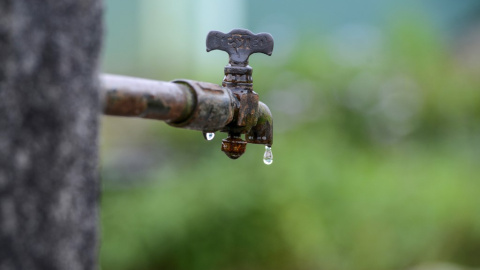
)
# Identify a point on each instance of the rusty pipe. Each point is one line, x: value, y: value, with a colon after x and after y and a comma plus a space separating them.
x: 193, y: 105
x: 182, y: 103
x: 135, y: 97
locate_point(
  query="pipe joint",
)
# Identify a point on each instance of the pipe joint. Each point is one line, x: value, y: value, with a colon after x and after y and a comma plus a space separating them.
x: 213, y: 107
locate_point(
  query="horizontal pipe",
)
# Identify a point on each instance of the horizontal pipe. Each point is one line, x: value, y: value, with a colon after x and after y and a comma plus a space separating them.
x: 186, y: 104
x: 135, y: 97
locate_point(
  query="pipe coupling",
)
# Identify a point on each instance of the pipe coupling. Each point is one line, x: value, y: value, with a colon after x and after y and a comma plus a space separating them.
x: 214, y: 107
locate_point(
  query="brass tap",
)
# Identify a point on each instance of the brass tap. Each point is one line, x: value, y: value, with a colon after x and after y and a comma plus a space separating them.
x: 251, y: 117
x: 233, y: 107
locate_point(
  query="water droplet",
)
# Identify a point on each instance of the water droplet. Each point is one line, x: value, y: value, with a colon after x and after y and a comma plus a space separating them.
x: 209, y: 136
x: 268, y: 156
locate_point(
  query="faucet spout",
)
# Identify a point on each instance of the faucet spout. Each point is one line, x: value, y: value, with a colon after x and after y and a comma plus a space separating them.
x: 262, y: 132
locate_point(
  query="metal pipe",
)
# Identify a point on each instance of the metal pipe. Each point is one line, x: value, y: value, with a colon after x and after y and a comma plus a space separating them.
x: 135, y: 97
x: 193, y: 105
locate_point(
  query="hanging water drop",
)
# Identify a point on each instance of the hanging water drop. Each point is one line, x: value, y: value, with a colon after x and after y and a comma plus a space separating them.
x: 268, y: 156
x: 209, y: 136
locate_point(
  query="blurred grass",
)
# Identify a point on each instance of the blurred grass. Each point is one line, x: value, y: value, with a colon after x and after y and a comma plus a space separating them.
x: 376, y: 166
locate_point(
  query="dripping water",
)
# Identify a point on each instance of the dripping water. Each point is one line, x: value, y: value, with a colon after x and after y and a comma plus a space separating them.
x: 208, y: 135
x: 268, y: 156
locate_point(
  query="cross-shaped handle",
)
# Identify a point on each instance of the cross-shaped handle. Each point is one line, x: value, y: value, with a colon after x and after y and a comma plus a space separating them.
x: 240, y: 44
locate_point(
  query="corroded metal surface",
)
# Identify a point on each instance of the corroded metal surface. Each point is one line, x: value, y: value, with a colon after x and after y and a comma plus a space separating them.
x: 251, y: 116
x: 240, y: 44
x: 234, y: 146
x: 233, y: 108
x: 134, y: 97
x: 214, y: 107
x: 262, y: 132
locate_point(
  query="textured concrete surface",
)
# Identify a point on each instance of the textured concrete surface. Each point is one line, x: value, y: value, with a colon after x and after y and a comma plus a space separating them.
x: 49, y: 112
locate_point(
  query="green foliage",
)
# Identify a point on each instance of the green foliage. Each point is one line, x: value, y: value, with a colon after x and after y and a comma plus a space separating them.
x: 374, y: 167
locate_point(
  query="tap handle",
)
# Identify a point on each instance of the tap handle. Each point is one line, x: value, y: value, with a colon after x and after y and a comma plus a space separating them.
x: 240, y: 44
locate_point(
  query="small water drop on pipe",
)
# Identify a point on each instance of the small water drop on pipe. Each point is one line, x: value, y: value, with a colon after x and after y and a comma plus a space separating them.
x: 209, y: 136
x: 268, y: 156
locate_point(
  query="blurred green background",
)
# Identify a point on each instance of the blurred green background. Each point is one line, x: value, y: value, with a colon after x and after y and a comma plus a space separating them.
x: 376, y: 147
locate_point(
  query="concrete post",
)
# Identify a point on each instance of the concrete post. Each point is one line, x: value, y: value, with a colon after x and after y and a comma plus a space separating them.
x: 49, y: 111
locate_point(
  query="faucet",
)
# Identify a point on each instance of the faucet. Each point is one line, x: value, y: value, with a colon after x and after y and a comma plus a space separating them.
x: 233, y: 107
